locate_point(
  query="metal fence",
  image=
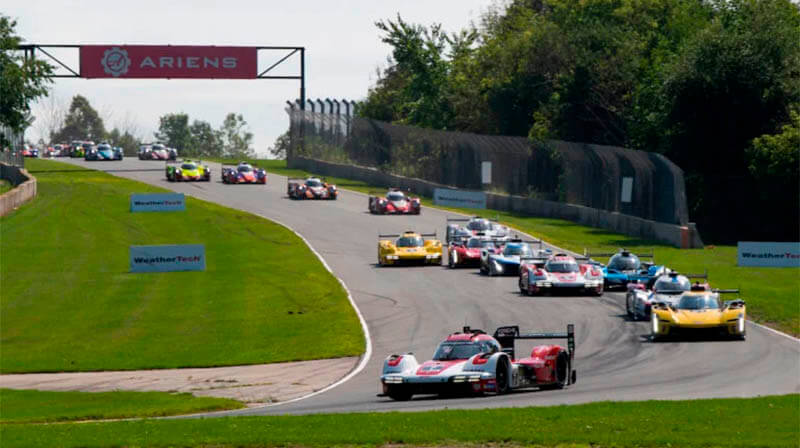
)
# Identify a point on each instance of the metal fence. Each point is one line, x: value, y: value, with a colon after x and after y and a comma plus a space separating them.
x: 636, y: 183
x: 11, y: 154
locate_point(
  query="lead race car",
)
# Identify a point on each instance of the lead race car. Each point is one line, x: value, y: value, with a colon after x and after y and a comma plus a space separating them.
x: 472, y: 362
x: 243, y: 173
x: 559, y: 272
x: 409, y: 248
x: 699, y: 311
x: 188, y: 170
x: 667, y: 288
x: 394, y: 202
x: 310, y: 188
x: 626, y: 267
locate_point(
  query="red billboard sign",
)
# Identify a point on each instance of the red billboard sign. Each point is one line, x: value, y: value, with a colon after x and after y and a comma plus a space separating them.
x: 166, y: 61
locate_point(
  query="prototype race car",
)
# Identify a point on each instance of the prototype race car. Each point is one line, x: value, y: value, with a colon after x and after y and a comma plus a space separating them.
x: 507, y: 262
x: 699, y: 311
x: 310, y: 188
x: 244, y: 173
x: 472, y: 362
x: 188, y: 170
x: 473, y: 226
x: 30, y: 152
x: 410, y: 248
x: 157, y: 151
x: 103, y: 151
x: 667, y: 288
x: 467, y: 251
x: 79, y: 149
x: 626, y: 267
x: 559, y: 272
x: 395, y: 202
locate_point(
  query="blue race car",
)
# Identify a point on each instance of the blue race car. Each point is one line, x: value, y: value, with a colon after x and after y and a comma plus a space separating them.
x: 626, y: 267
x: 507, y: 262
x: 103, y: 151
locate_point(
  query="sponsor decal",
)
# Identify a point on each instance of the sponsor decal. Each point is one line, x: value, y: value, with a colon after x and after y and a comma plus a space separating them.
x: 459, y: 198
x: 158, y: 202
x: 167, y: 258
x: 166, y: 61
x: 768, y: 254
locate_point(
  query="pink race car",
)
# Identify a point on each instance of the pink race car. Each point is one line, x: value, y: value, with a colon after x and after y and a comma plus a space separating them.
x: 559, y: 272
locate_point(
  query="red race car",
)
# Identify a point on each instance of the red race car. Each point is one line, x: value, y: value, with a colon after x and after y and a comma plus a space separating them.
x: 395, y: 202
x: 244, y: 173
x: 559, y: 272
x: 467, y: 251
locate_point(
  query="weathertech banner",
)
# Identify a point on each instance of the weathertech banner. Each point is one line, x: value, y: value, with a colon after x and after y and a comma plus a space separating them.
x: 185, y: 257
x: 166, y: 61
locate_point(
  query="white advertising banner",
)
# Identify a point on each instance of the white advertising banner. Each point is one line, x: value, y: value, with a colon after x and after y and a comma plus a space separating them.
x: 459, y: 198
x: 776, y: 255
x: 158, y: 202
x: 486, y: 172
x: 167, y: 258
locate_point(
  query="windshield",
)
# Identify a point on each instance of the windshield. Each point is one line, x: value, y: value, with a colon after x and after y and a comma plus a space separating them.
x: 244, y: 168
x: 479, y: 243
x: 158, y: 147
x: 459, y: 350
x: 521, y: 249
x: 395, y: 196
x: 410, y: 241
x: 479, y: 224
x: 188, y: 166
x: 313, y: 183
x: 562, y: 267
x: 103, y: 147
x: 672, y: 285
x: 691, y: 302
x: 624, y: 263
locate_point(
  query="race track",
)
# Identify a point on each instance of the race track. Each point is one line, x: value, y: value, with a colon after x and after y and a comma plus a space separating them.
x: 412, y: 309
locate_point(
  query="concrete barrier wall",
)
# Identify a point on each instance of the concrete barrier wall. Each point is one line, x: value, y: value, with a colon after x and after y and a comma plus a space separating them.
x: 678, y: 236
x: 24, y: 191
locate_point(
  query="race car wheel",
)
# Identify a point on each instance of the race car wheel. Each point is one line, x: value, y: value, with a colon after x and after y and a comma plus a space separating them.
x: 561, y: 373
x: 450, y: 262
x: 628, y: 308
x: 523, y: 287
x: 501, y: 375
x: 399, y: 393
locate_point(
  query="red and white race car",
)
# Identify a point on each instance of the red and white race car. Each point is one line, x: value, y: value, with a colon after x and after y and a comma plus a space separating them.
x: 244, y: 173
x: 472, y: 362
x: 395, y: 202
x: 559, y: 272
x: 467, y: 251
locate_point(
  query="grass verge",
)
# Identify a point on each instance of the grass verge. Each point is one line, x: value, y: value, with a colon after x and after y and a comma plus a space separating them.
x: 32, y: 406
x: 772, y: 294
x: 68, y: 302
x: 5, y: 186
x: 765, y: 421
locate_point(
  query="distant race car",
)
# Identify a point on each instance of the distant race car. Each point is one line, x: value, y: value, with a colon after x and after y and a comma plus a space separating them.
x: 467, y: 251
x: 310, y: 188
x: 244, y: 173
x: 103, y: 151
x: 394, y: 202
x: 626, y: 267
x: 53, y: 151
x: 409, y: 248
x: 472, y: 362
x: 507, y: 262
x: 559, y: 273
x: 475, y: 225
x: 80, y: 149
x: 699, y: 312
x: 187, y: 171
x: 157, y: 151
x: 30, y: 152
x: 667, y: 288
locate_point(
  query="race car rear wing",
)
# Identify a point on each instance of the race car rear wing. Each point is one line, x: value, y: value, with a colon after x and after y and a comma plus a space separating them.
x: 589, y: 254
x: 533, y: 260
x: 507, y: 335
x: 397, y: 235
x: 520, y: 240
x: 704, y: 275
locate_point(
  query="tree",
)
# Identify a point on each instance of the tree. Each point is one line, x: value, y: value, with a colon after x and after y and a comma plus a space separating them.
x: 21, y: 81
x: 124, y: 139
x: 236, y: 141
x: 281, y: 146
x: 173, y: 130
x: 204, y: 139
x: 81, y: 123
x: 51, y: 117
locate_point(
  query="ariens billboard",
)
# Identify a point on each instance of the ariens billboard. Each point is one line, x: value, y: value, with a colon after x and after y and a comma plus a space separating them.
x: 167, y: 61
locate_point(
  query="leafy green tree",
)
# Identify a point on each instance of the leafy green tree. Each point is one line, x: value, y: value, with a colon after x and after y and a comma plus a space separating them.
x: 281, y: 146
x: 21, y: 81
x: 204, y: 139
x: 81, y: 123
x: 236, y: 140
x: 173, y: 130
x: 125, y: 140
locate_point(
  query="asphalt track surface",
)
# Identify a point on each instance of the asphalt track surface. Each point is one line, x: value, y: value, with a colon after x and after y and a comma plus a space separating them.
x: 411, y: 309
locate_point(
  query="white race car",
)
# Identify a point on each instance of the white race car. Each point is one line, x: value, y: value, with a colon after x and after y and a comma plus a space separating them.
x: 667, y: 288
x: 474, y: 226
x: 472, y: 362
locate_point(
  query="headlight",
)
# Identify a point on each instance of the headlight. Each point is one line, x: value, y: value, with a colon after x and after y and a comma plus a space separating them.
x: 654, y: 322
x: 497, y: 266
x: 740, y: 324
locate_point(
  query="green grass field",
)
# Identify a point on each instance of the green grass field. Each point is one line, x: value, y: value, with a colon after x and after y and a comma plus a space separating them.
x: 772, y: 294
x: 757, y: 422
x: 31, y: 406
x: 68, y: 302
x: 5, y: 186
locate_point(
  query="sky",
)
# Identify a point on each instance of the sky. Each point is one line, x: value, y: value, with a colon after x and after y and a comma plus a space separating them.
x: 343, y: 51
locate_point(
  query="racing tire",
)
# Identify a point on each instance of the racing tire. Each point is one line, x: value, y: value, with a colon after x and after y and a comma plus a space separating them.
x: 450, y: 263
x: 399, y: 393
x: 522, y: 288
x: 628, y: 308
x: 562, y: 372
x: 501, y: 376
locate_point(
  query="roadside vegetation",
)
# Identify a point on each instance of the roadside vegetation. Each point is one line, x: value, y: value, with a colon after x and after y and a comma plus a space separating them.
x: 755, y: 422
x: 68, y: 302
x: 34, y: 406
x: 5, y: 186
x: 771, y: 294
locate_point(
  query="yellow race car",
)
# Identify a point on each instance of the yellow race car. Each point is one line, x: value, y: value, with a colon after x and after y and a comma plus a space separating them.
x: 409, y: 248
x: 699, y: 311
